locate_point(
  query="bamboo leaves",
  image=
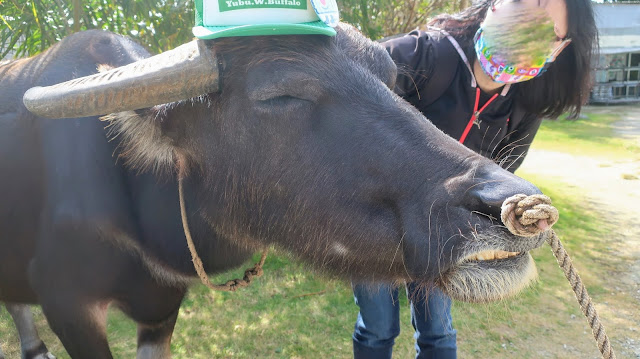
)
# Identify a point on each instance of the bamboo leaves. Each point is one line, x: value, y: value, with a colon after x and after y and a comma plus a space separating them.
x: 30, y: 26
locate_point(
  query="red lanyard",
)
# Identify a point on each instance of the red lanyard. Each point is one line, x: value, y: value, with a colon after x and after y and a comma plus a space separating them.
x: 476, y: 113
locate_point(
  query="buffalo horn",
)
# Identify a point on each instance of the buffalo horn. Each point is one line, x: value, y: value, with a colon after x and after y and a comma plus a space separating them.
x: 187, y: 71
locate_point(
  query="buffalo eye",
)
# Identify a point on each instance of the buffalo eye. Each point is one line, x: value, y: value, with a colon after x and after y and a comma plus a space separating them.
x: 275, y: 89
x: 281, y: 100
x: 281, y: 103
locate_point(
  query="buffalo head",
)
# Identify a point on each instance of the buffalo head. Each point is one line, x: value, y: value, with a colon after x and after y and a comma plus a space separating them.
x: 298, y: 141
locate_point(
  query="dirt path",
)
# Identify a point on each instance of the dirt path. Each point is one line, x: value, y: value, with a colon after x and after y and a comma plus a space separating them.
x: 612, y: 188
x: 629, y: 126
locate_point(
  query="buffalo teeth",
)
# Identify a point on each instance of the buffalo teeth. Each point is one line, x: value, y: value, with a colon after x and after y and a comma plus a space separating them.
x: 491, y: 255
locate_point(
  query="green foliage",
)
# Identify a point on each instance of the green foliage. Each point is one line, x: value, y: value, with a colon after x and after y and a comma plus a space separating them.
x: 27, y: 27
x: 377, y: 19
x: 31, y: 26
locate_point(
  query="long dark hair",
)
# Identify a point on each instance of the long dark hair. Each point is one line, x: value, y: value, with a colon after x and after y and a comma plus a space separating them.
x: 567, y: 82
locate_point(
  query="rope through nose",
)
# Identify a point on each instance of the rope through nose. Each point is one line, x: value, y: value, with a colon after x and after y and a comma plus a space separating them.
x: 528, y: 216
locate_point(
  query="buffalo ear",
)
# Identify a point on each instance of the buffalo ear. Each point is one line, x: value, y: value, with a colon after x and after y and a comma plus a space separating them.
x: 376, y: 59
x: 187, y: 71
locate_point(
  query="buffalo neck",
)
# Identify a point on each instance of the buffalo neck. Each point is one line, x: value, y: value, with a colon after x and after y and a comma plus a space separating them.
x: 161, y: 235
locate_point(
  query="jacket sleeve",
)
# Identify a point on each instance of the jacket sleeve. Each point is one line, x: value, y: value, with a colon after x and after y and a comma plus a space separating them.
x: 414, y: 55
x: 514, y: 147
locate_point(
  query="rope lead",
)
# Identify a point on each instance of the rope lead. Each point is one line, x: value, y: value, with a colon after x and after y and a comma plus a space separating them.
x: 528, y: 216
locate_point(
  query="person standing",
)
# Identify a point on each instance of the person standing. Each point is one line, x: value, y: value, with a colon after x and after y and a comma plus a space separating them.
x: 486, y: 76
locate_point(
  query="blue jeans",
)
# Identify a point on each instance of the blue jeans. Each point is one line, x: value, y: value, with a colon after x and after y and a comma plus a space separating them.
x: 378, y: 323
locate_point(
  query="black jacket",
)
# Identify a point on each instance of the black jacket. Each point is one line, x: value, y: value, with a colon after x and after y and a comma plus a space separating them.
x: 434, y: 78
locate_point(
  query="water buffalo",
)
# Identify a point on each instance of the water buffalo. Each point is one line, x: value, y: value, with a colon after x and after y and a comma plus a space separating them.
x: 293, y: 141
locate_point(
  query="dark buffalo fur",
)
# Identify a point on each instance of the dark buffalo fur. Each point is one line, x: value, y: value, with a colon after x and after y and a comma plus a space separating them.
x: 304, y: 147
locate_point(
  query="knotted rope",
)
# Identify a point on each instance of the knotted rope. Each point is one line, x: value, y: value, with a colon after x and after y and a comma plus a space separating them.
x: 229, y: 286
x: 528, y: 216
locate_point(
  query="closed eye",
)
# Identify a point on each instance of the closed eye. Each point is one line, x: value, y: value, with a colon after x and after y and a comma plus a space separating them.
x: 278, y: 105
x: 283, y: 100
x: 271, y: 92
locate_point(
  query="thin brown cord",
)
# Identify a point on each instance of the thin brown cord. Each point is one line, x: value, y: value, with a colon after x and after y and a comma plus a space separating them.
x: 521, y: 213
x: 229, y: 286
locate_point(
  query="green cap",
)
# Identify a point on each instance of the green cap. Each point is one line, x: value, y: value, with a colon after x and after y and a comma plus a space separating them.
x: 226, y: 18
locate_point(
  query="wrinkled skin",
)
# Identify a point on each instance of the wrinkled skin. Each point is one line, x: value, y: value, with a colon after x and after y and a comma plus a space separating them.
x: 305, y: 147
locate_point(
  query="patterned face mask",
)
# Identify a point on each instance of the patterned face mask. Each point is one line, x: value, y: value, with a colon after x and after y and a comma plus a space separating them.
x: 515, y: 50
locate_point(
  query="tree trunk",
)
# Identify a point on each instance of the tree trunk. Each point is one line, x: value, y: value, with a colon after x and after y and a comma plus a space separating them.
x: 77, y: 14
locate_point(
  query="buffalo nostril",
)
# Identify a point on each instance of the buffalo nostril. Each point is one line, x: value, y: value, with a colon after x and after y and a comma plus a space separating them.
x: 494, y: 185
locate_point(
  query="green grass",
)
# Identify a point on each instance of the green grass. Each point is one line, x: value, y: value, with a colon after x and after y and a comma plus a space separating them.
x: 292, y: 312
x: 590, y: 136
